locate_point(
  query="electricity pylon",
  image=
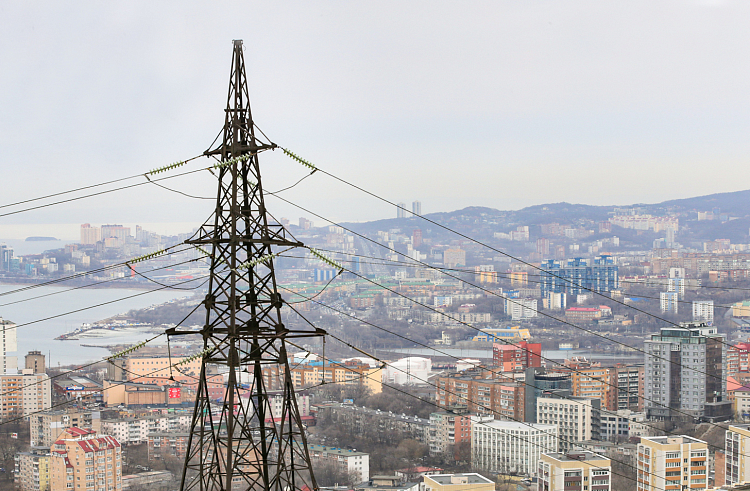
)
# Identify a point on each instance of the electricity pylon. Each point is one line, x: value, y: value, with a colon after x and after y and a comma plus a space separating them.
x: 235, y: 440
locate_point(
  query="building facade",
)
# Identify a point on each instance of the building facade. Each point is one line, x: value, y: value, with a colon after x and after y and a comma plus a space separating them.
x: 137, y: 430
x: 577, y: 418
x: 448, y: 429
x: 348, y: 461
x: 510, y: 447
x: 575, y: 471
x: 82, y: 460
x: 579, y: 276
x: 737, y: 454
x: 516, y: 357
x: 685, y: 368
x: 8, y: 347
x: 46, y: 426
x: 457, y: 482
x: 24, y: 393
x: 32, y: 469
x: 666, y: 462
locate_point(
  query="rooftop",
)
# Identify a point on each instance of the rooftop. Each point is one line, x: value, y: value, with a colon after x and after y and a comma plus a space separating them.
x: 468, y: 478
x: 576, y: 456
x: 335, y: 450
x: 671, y: 440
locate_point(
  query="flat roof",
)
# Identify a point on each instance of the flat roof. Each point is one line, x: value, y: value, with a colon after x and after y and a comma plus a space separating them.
x: 570, y: 456
x: 472, y: 478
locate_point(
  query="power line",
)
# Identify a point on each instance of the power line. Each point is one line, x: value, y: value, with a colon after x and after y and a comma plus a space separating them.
x: 518, y: 437
x: 566, y: 368
x: 594, y: 333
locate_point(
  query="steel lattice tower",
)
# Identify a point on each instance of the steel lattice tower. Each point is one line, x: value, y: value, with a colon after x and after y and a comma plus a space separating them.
x: 235, y: 443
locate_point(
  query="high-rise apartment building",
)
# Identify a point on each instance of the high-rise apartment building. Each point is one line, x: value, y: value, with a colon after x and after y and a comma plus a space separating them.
x: 677, y: 285
x: 516, y: 357
x: 703, y: 311
x: 83, y: 460
x: 630, y: 383
x: 738, y: 359
x: 501, y: 397
x: 90, y: 235
x: 46, y: 426
x: 669, y: 302
x: 115, y: 232
x: 24, y: 393
x: 401, y: 210
x: 737, y: 454
x: 685, y: 368
x: 32, y: 469
x: 593, y: 382
x: 666, y: 462
x: 6, y: 258
x: 507, y: 447
x: 416, y: 237
x: 416, y: 207
x: 454, y: 257
x: 521, y: 308
x: 448, y: 429
x: 8, y: 347
x: 574, y: 471
x: 577, y: 418
x: 35, y: 362
x: 578, y: 276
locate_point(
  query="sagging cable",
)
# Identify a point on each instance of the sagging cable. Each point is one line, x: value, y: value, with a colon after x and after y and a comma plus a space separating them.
x: 300, y: 160
x: 127, y: 351
x: 194, y: 357
x: 326, y: 260
x: 166, y: 168
x: 146, y: 257
x: 255, y: 262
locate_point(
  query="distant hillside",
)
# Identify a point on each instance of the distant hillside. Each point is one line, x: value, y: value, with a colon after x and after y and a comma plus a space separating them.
x: 481, y: 222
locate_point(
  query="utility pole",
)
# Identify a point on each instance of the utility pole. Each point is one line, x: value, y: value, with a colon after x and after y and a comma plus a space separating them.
x: 235, y: 441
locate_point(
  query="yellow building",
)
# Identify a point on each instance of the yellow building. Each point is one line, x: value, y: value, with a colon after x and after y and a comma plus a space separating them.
x: 575, y: 471
x: 519, y: 278
x: 32, y: 470
x: 458, y: 482
x: 82, y: 460
x: 308, y: 374
x: 741, y: 309
x: 495, y: 335
x: 666, y: 463
x: 737, y: 450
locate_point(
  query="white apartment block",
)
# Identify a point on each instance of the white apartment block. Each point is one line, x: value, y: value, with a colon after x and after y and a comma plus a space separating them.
x: 521, y: 308
x: 136, y: 430
x: 8, y: 346
x: 345, y: 460
x: 509, y: 446
x: 669, y: 302
x: 666, y: 462
x: 577, y: 418
x: 703, y: 311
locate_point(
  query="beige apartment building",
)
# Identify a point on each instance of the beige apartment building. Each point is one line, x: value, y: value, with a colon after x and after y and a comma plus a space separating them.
x: 666, y: 463
x: 32, y: 469
x: 458, y: 482
x: 47, y: 426
x: 83, y: 460
x: 574, y: 471
x: 24, y: 393
x: 737, y: 452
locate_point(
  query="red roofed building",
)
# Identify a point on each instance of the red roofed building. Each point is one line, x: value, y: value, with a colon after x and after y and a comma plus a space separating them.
x: 83, y: 460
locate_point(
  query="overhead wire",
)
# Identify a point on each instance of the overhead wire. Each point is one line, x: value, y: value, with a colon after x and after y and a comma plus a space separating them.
x: 508, y: 434
x: 562, y: 366
x: 513, y: 301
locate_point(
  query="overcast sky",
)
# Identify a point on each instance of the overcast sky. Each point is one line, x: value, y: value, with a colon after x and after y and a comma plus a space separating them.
x: 500, y: 104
